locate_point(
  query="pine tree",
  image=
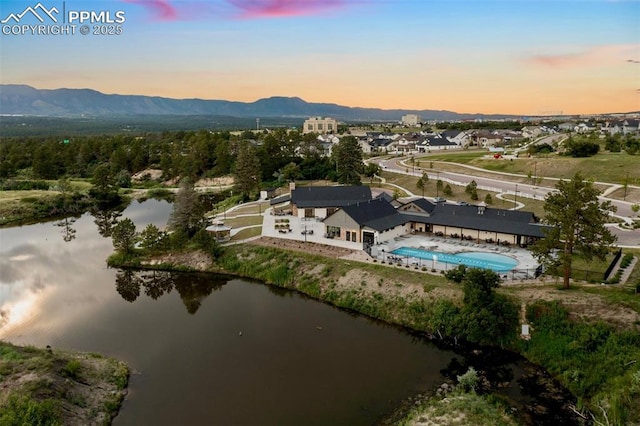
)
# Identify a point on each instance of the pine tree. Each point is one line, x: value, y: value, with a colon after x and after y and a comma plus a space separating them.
x: 188, y: 212
x: 248, y: 170
x: 347, y: 155
x: 577, y: 225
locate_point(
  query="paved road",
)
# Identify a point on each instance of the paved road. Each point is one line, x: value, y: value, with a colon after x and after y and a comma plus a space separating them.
x: 496, y: 184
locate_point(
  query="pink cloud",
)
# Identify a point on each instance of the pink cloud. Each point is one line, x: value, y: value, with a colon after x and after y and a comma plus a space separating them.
x: 281, y: 8
x: 170, y: 10
x: 596, y: 56
x: 160, y: 9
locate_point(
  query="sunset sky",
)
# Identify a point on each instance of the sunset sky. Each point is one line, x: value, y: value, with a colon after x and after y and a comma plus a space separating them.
x: 470, y: 56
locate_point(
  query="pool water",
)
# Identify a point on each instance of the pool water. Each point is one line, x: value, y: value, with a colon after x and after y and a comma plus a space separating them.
x: 495, y: 262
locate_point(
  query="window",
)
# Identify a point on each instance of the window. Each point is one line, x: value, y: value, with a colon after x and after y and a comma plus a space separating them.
x: 333, y: 231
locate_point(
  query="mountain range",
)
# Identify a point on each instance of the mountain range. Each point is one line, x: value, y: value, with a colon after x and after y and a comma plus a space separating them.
x: 26, y: 100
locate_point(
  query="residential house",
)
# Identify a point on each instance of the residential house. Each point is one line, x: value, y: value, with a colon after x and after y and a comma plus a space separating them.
x: 407, y: 143
x: 532, y: 132
x: 365, y: 145
x: 631, y: 126
x: 485, y: 138
x: 458, y: 137
x: 566, y: 127
x: 435, y: 143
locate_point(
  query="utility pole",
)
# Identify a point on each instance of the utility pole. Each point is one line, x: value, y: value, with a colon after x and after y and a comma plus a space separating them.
x: 515, y: 200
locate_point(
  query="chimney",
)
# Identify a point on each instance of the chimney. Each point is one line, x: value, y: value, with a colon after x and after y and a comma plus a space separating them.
x: 292, y: 186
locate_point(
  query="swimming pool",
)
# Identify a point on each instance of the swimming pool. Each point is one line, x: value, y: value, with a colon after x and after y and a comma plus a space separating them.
x: 475, y: 259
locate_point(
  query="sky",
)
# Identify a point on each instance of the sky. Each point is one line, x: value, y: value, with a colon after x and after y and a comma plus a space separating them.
x: 520, y: 57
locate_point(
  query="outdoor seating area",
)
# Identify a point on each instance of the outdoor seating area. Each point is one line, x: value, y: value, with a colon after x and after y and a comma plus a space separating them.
x: 383, y: 252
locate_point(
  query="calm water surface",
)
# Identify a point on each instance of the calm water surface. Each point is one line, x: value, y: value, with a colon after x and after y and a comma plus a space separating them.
x: 208, y: 349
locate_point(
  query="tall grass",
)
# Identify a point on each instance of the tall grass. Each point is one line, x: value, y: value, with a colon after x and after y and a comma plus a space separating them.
x: 597, y: 363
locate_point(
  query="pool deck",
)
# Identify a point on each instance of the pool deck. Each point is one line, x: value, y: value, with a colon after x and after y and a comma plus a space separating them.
x: 526, y: 267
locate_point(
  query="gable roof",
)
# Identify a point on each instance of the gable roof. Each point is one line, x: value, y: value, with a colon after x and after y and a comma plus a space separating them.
x: 438, y: 141
x: 385, y: 196
x: 376, y: 214
x: 423, y: 204
x: 329, y: 196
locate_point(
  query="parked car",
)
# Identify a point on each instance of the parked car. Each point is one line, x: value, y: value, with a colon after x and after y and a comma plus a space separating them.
x: 439, y: 200
x: 463, y: 203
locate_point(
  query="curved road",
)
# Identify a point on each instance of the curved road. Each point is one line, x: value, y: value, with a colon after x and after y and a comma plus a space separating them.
x: 396, y: 165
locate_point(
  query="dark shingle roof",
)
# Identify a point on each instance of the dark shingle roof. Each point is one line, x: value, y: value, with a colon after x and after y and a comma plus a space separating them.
x: 280, y: 199
x: 329, y: 196
x: 423, y: 204
x: 492, y: 220
x: 437, y: 141
x: 377, y: 214
x: 380, y: 215
x: 385, y: 195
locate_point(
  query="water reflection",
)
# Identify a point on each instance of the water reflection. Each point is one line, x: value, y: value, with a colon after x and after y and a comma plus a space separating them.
x: 68, y: 232
x: 106, y: 217
x: 193, y: 288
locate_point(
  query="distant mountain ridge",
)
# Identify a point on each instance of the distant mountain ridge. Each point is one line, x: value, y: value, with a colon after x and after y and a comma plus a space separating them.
x: 26, y: 100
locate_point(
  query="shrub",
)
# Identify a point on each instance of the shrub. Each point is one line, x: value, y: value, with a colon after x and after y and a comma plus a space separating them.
x: 456, y: 274
x: 581, y: 148
x: 469, y: 381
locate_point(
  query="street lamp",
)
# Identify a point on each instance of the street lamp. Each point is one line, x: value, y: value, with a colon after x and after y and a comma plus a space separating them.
x: 516, y: 198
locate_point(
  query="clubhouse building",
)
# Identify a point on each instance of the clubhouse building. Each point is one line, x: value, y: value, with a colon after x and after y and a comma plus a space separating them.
x: 351, y: 214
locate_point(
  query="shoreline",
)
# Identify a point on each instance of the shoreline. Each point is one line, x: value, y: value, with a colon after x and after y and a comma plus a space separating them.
x: 52, y: 386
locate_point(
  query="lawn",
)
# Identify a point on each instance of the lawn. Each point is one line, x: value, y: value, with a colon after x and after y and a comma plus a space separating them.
x: 239, y: 222
x: 251, y: 209
x: 247, y: 233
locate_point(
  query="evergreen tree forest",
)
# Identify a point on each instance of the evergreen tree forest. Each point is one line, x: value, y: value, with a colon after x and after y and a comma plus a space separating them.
x: 179, y: 154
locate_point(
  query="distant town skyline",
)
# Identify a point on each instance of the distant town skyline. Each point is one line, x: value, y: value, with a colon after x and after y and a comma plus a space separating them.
x: 519, y: 57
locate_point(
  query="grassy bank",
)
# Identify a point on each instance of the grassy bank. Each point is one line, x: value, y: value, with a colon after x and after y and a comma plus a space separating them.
x: 53, y: 387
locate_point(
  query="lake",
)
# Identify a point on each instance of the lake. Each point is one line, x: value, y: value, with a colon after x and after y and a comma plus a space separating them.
x: 212, y: 349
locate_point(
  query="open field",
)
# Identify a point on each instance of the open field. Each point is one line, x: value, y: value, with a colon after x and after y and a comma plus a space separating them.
x: 603, y: 167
